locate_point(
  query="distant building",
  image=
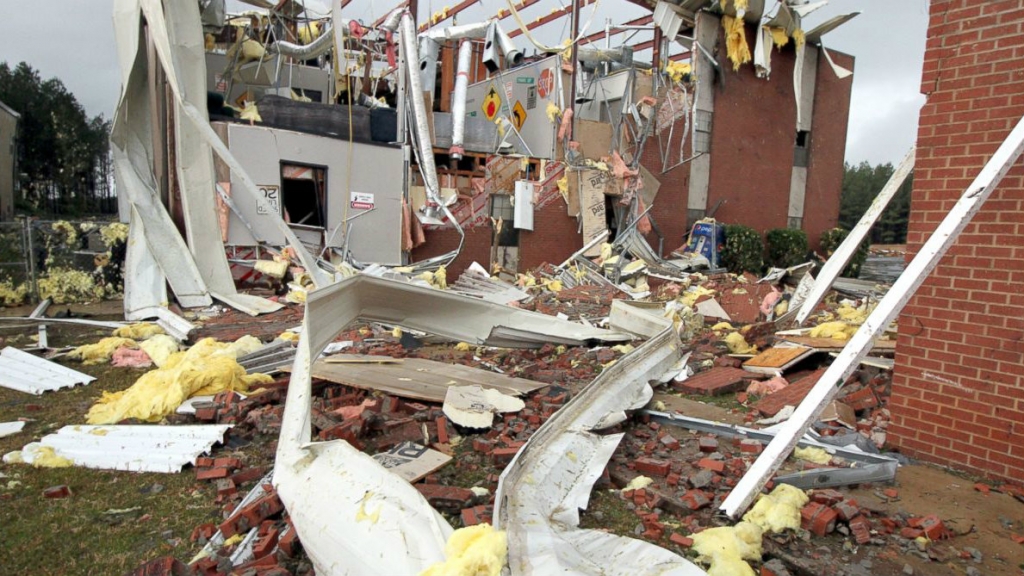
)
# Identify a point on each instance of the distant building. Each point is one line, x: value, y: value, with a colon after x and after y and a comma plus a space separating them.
x: 8, y: 159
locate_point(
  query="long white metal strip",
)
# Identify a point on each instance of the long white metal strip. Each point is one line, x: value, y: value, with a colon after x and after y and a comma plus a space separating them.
x: 828, y: 386
x: 841, y: 257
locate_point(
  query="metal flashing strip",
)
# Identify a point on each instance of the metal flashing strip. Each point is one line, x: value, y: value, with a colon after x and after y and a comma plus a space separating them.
x: 24, y: 372
x: 743, y: 495
x: 375, y: 522
x: 130, y: 448
x: 542, y: 490
x: 869, y: 467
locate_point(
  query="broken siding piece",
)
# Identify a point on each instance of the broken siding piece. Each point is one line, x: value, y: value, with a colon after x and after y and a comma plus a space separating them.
x: 542, y: 490
x: 128, y: 448
x: 24, y: 372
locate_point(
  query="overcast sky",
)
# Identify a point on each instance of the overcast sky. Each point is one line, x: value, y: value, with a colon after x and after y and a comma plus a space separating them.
x: 73, y: 40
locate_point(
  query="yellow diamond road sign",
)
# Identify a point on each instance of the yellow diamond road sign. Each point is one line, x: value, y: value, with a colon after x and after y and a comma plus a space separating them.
x: 492, y: 103
x: 518, y: 115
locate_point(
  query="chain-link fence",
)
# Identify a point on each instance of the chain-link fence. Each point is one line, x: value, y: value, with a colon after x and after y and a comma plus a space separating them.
x: 66, y: 261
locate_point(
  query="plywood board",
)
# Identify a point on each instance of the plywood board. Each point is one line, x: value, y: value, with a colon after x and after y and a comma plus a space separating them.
x: 595, y: 138
x: 416, y: 378
x: 592, y: 209
x: 651, y: 186
x: 572, y: 200
x: 775, y: 360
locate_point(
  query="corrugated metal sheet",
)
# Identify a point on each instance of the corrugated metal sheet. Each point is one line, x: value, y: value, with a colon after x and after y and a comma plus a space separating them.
x: 27, y: 373
x: 132, y: 448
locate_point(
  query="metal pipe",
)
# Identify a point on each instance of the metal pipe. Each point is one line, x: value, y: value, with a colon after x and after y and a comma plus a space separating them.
x: 390, y: 23
x: 459, y: 99
x: 419, y: 109
x: 513, y: 57
x: 475, y: 30
x: 314, y: 49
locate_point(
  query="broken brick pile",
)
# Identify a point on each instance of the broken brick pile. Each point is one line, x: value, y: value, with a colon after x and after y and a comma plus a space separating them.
x: 692, y: 473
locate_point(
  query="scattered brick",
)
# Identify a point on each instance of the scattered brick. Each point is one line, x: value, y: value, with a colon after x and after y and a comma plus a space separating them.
x: 861, y: 528
x: 774, y: 567
x: 707, y: 444
x: 670, y: 442
x: 54, y: 492
x: 652, y: 466
x: 750, y: 446
x: 828, y: 497
x: 477, y: 515
x: 695, y: 500
x: 680, y: 540
x: 212, y: 473
x: 446, y: 498
x: 847, y: 510
x: 713, y: 465
x: 818, y: 519
x: 502, y: 456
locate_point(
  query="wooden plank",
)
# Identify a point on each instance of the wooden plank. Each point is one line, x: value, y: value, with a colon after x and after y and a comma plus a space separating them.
x: 833, y: 345
x: 415, y: 378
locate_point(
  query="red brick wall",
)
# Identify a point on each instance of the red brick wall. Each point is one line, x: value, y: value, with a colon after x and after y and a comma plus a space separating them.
x: 958, y: 390
x: 828, y: 148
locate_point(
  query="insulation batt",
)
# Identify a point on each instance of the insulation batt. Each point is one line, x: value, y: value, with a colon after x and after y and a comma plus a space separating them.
x: 738, y: 344
x: 207, y: 368
x: 812, y: 454
x: 727, y: 547
x: 141, y: 331
x: 478, y: 550
x: 101, y: 351
x: 779, y: 510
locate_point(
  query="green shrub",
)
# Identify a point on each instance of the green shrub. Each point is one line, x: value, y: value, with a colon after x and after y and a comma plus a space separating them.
x: 830, y: 241
x: 786, y: 247
x: 743, y: 251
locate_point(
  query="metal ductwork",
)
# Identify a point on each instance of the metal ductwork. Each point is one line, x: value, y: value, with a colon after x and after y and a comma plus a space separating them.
x: 477, y: 30
x: 419, y: 110
x: 428, y: 52
x: 318, y: 47
x: 459, y: 99
x: 513, y: 57
x: 390, y: 23
x: 591, y: 57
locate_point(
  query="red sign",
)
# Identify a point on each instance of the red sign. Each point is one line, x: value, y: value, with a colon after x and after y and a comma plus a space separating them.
x: 546, y: 82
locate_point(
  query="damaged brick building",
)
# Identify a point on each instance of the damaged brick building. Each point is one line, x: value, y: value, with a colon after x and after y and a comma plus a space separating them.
x: 958, y: 392
x: 757, y: 163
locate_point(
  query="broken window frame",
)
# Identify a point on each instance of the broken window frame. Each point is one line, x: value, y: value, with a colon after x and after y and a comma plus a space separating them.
x: 320, y: 174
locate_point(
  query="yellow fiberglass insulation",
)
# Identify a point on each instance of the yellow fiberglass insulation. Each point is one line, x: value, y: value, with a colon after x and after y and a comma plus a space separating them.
x: 207, y: 368
x: 736, y: 41
x: 738, y: 344
x: 812, y: 454
x: 101, y: 351
x: 690, y: 297
x: 779, y: 510
x: 159, y: 348
x: 722, y: 326
x: 141, y: 331
x: 478, y: 550
x: 726, y: 548
x: 837, y: 330
x: 779, y: 37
